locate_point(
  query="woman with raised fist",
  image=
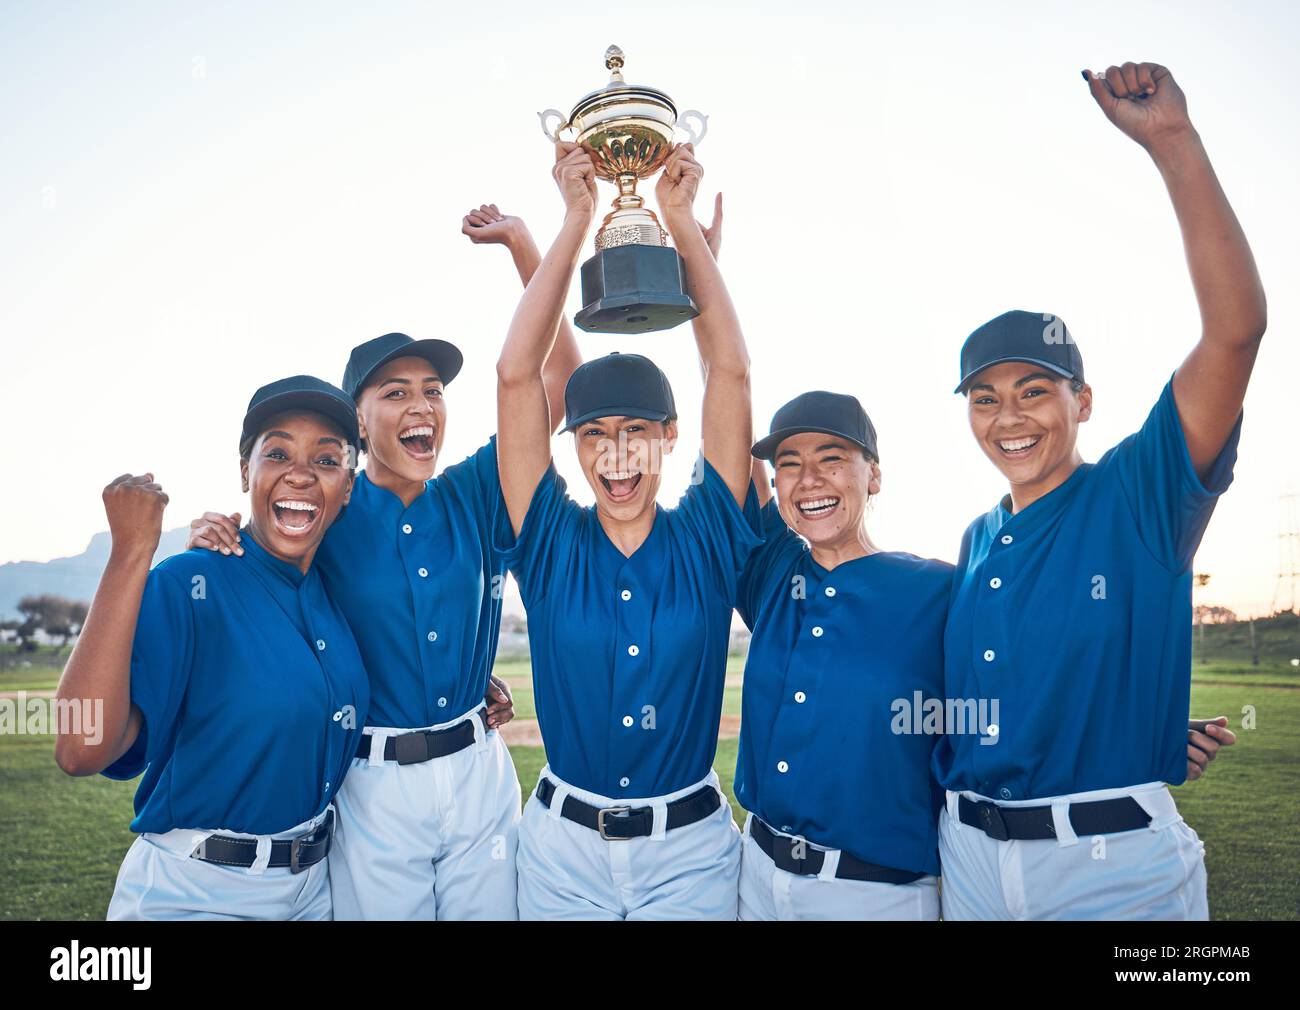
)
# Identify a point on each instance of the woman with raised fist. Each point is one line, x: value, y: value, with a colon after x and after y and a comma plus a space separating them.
x: 234, y: 684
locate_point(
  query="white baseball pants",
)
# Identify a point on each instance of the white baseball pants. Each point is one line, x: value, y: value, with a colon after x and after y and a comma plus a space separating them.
x: 567, y: 871
x: 159, y: 880
x: 769, y: 893
x: 1156, y: 872
x: 432, y: 840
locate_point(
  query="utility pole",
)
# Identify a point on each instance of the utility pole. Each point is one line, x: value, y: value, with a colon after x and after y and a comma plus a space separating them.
x: 1201, y: 581
x: 1286, y: 596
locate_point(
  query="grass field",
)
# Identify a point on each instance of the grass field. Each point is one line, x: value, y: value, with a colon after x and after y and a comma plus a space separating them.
x: 62, y: 839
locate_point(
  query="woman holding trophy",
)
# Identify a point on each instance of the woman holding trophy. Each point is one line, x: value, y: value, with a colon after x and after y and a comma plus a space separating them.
x: 629, y: 604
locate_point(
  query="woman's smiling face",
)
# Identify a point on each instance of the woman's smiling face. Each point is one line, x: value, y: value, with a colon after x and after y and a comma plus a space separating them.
x: 823, y: 483
x: 1027, y: 422
x: 622, y: 459
x: 298, y: 476
x: 403, y: 418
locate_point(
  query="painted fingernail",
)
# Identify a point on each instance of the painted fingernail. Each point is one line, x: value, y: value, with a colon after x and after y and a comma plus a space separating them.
x: 225, y: 550
x: 1085, y: 74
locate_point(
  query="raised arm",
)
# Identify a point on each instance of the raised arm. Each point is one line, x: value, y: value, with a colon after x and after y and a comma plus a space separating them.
x: 727, y: 425
x: 762, y: 481
x: 1145, y: 102
x: 100, y: 664
x: 524, y: 422
x: 488, y: 226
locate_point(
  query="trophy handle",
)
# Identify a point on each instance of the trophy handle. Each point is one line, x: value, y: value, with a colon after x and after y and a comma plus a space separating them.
x: 553, y: 131
x: 696, y: 138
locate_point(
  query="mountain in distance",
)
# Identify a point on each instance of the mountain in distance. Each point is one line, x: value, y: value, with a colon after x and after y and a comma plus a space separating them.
x: 77, y: 577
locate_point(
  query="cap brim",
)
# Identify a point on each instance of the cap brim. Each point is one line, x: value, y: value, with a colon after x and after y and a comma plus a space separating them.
x: 308, y: 400
x: 445, y: 358
x: 765, y: 448
x: 1064, y: 373
x: 641, y: 412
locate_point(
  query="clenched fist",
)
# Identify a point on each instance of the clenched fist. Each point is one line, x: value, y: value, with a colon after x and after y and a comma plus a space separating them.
x: 1143, y: 100
x: 135, y: 510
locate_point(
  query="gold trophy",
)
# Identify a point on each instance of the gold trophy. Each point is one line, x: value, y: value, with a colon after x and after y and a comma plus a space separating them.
x: 635, y: 283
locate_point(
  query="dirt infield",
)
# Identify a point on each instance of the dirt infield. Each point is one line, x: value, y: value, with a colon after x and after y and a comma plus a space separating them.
x: 525, y: 733
x: 517, y: 733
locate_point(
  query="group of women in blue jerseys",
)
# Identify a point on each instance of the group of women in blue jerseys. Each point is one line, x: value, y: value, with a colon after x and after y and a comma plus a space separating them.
x: 307, y: 692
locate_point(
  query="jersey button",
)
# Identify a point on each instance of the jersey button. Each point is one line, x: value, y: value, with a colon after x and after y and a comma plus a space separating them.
x: 406, y: 527
x: 424, y: 573
x: 817, y: 632
x: 433, y: 636
x: 830, y: 590
x: 626, y: 594
x: 632, y: 650
x: 1005, y: 793
x: 995, y: 583
x: 442, y: 702
x: 782, y: 767
x: 800, y: 697
x: 320, y: 645
x: 1007, y: 538
x: 624, y: 781
x: 627, y: 720
x: 989, y: 655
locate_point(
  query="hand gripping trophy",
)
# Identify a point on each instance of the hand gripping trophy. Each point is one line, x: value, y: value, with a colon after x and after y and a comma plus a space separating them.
x: 635, y: 282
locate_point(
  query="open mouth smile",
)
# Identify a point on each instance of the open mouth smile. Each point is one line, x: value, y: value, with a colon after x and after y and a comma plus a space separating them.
x: 417, y: 440
x: 620, y: 485
x: 815, y: 508
x: 294, y: 517
x: 1018, y: 448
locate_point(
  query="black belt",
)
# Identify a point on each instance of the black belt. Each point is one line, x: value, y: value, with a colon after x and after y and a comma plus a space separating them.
x: 781, y: 850
x: 295, y: 853
x: 1099, y: 817
x: 622, y: 823
x: 426, y: 744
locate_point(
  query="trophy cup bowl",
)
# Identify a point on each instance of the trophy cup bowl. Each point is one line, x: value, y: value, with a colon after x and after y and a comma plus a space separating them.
x: 635, y: 283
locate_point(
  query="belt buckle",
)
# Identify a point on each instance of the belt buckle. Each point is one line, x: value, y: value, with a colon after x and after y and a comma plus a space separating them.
x: 410, y: 748
x: 600, y: 822
x: 991, y: 820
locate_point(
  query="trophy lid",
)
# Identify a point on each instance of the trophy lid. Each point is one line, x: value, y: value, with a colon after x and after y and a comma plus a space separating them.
x: 618, y: 88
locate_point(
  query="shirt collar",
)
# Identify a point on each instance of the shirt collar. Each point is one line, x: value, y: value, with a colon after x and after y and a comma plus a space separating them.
x: 283, y: 571
x: 1042, y: 511
x: 377, y: 500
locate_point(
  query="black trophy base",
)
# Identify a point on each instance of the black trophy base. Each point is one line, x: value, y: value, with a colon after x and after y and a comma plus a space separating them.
x: 634, y: 289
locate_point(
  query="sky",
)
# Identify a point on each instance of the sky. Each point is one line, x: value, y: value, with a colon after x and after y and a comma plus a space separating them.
x: 195, y: 201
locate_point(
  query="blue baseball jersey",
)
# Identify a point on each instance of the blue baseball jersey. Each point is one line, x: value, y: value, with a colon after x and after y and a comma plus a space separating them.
x: 833, y: 743
x: 1075, y: 617
x: 252, y: 691
x: 421, y: 586
x: 630, y: 653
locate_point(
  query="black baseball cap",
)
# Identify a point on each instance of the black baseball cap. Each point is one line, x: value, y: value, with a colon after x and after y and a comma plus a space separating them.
x: 445, y: 358
x: 618, y: 385
x: 299, y: 392
x: 830, y: 413
x: 1038, y: 338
